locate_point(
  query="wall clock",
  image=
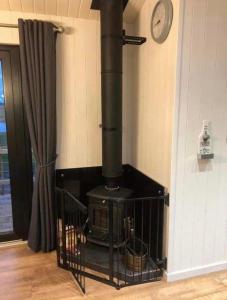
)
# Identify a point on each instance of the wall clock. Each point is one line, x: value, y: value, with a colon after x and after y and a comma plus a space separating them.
x: 161, y: 20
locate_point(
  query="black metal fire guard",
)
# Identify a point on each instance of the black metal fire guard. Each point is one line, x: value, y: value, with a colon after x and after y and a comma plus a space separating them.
x: 130, y: 252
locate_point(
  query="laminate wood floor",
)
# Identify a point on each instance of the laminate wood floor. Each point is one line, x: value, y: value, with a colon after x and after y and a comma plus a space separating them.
x: 25, y: 275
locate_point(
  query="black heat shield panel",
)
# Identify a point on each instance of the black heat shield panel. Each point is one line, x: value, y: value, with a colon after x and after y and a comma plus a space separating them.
x: 96, y: 4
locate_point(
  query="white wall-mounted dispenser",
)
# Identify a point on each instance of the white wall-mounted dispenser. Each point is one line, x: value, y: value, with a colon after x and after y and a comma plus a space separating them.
x: 205, y: 143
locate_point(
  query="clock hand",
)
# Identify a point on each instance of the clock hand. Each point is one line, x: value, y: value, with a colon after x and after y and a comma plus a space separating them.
x: 158, y: 22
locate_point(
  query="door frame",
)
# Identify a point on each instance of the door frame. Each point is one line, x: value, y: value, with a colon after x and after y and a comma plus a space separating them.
x: 19, y: 147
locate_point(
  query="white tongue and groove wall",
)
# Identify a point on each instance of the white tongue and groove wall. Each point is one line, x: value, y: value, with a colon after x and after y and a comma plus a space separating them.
x: 198, y: 210
x: 153, y: 98
x: 169, y: 90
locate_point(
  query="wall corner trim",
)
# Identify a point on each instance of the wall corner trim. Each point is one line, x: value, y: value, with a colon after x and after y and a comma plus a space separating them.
x: 197, y: 271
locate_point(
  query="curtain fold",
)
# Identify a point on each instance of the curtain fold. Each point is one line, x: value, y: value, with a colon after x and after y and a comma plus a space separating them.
x: 38, y: 66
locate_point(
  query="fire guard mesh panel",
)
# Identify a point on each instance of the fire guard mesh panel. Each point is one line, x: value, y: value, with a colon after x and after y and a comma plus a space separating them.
x: 131, y: 253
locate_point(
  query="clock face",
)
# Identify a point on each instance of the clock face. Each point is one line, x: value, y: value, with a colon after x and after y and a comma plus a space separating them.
x: 161, y: 20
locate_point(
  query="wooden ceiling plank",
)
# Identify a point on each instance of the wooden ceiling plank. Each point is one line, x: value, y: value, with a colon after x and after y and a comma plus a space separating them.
x: 27, y: 5
x: 15, y: 5
x: 62, y: 7
x: 74, y: 8
x: 4, y: 5
x: 68, y: 8
x: 51, y: 7
x: 39, y: 6
x: 85, y: 9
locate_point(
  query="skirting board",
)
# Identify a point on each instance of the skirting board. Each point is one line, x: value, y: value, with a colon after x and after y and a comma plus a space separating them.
x: 202, y: 270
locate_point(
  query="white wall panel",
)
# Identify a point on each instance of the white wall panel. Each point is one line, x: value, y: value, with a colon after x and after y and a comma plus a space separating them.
x: 154, y: 93
x: 132, y: 9
x: 198, y: 218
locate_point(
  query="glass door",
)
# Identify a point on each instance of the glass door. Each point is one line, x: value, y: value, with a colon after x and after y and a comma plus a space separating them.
x: 15, y: 151
x: 6, y: 217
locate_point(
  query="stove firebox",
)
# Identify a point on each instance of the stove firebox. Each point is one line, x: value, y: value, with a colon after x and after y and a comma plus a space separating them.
x: 99, y: 212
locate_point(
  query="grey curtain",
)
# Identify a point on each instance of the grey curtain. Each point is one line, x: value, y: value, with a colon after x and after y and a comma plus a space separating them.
x: 38, y: 65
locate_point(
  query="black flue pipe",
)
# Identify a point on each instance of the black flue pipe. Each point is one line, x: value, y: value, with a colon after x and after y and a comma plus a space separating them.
x: 111, y: 77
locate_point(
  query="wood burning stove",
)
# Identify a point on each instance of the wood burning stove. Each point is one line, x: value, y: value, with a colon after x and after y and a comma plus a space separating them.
x: 115, y: 234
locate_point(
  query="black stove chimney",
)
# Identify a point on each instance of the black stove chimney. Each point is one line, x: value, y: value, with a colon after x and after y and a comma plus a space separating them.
x: 111, y: 76
x: 112, y: 40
